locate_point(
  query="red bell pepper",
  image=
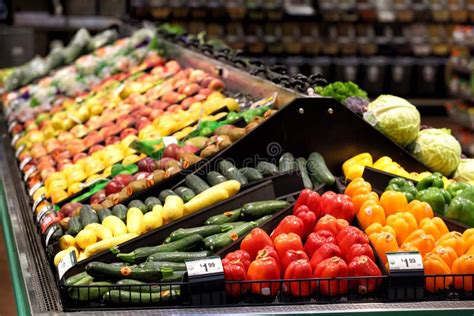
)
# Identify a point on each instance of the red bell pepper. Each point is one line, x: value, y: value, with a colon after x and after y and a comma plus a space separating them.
x: 290, y: 256
x: 269, y: 251
x: 331, y: 224
x: 285, y: 242
x: 256, y: 240
x: 333, y: 267
x: 241, y: 255
x: 289, y: 224
x: 234, y: 270
x: 363, y: 266
x: 337, y: 205
x: 309, y: 198
x: 324, y: 252
x: 302, y: 198
x: 308, y: 218
x: 357, y: 250
x: 349, y: 236
x: 299, y: 269
x: 316, y: 240
x: 265, y: 268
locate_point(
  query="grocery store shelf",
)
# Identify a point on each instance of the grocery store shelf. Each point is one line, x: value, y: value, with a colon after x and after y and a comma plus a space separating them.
x: 429, y: 102
x: 43, y: 20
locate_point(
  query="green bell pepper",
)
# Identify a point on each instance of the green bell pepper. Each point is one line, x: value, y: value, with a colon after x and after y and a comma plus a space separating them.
x: 456, y: 187
x: 433, y: 181
x: 403, y: 185
x: 437, y: 198
x: 462, y: 207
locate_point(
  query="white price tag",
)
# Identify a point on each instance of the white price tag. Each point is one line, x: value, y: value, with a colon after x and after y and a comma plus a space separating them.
x: 15, y: 139
x: 35, y: 188
x: 12, y: 126
x: 29, y: 173
x: 38, y: 201
x: 400, y: 261
x: 168, y: 140
x: 43, y: 212
x: 19, y: 150
x: 24, y: 162
x: 50, y: 233
x: 205, y: 266
x: 67, y: 262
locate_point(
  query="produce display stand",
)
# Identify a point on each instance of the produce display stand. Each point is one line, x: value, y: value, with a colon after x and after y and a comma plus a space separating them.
x: 302, y: 125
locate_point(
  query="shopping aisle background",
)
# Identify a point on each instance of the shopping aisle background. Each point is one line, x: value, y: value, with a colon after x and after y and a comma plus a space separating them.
x: 7, y: 300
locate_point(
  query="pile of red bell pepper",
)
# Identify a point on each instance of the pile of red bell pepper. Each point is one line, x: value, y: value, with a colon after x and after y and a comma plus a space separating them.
x: 315, y: 243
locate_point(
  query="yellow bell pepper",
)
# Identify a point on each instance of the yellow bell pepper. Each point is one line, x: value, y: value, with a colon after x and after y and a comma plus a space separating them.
x: 354, y: 167
x: 382, y: 163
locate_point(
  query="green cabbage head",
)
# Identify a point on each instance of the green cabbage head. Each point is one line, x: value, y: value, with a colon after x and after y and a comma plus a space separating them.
x: 465, y: 171
x: 395, y: 117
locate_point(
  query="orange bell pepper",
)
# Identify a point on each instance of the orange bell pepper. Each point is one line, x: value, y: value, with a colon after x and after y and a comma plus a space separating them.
x: 369, y: 213
x: 358, y: 186
x: 378, y: 228
x: 468, y: 237
x: 403, y: 223
x: 360, y: 199
x: 434, y: 227
x: 448, y: 254
x: 453, y: 240
x: 383, y: 243
x: 463, y: 265
x: 470, y: 252
x: 393, y: 202
x: 433, y: 264
x: 422, y: 241
x: 408, y: 247
x: 420, y: 210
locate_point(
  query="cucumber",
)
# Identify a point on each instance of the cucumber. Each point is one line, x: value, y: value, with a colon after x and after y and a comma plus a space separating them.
x: 267, y: 169
x: 262, y: 208
x: 88, y: 215
x: 204, y: 231
x: 185, y: 193
x: 91, y: 292
x: 287, y: 163
x: 178, y: 256
x: 229, y: 171
x: 126, y: 297
x: 196, y: 184
x: 151, y: 201
x: 251, y: 174
x: 114, y: 272
x: 139, y: 286
x: 263, y: 219
x: 226, y: 217
x: 77, y: 278
x: 216, y: 242
x: 103, y: 213
x: 177, y: 276
x: 175, y: 266
x: 164, y: 194
x: 120, y: 211
x: 214, y: 178
x: 138, y: 204
x: 142, y: 253
x: 304, y: 173
x: 234, y: 224
x: 318, y: 170
x: 75, y: 226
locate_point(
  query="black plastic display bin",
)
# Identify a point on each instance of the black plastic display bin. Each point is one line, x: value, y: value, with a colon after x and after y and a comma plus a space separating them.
x: 400, y: 76
x: 347, y: 69
x: 429, y: 77
x: 373, y: 76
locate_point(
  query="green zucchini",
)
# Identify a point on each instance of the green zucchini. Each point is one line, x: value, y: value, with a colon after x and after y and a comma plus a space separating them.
x: 140, y: 254
x: 127, y: 297
x: 138, y: 204
x: 263, y: 219
x: 267, y: 169
x: 151, y: 201
x: 229, y: 171
x: 77, y: 278
x: 109, y: 271
x: 75, y: 226
x: 251, y: 174
x: 103, y: 213
x: 164, y: 194
x: 204, y: 231
x: 120, y: 211
x: 226, y: 217
x: 88, y: 215
x: 178, y: 256
x: 287, y: 163
x: 196, y: 184
x: 177, y: 276
x: 216, y: 242
x: 214, y: 178
x: 262, y: 208
x: 234, y: 224
x: 139, y: 286
x: 318, y: 170
x: 186, y: 194
x: 175, y: 266
x: 91, y: 292
x: 304, y: 173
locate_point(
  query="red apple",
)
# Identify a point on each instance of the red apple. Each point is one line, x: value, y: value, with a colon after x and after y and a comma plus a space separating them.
x: 143, y: 123
x: 113, y: 187
x: 173, y: 108
x: 111, y: 140
x: 69, y: 209
x: 179, y: 84
x: 80, y: 156
x: 155, y: 113
x: 216, y: 84
x: 190, y: 89
x: 98, y: 197
x: 146, y: 164
x: 189, y: 149
x: 200, y: 97
x: 197, y: 75
x: 206, y: 81
x: 172, y: 97
x: 205, y: 91
x: 123, y: 178
x: 172, y: 151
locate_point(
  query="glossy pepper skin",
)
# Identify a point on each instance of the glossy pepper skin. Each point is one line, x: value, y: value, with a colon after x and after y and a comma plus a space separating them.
x: 363, y: 266
x: 403, y: 224
x: 468, y: 236
x: 349, y: 236
x: 437, y: 198
x: 324, y: 252
x: 299, y: 269
x: 285, y: 242
x: 234, y: 271
x: 309, y: 198
x: 333, y: 267
x: 419, y: 240
x: 308, y: 218
x: 358, y: 186
x: 447, y: 254
x: 432, y: 181
x: 331, y: 224
x: 354, y: 167
x: 256, y: 240
x: 434, y: 226
x: 420, y: 210
x: 464, y: 265
x: 457, y: 187
x: 360, y: 199
x: 337, y: 205
x: 403, y: 185
x: 462, y: 207
x: 453, y: 240
x: 316, y: 240
x: 290, y: 256
x: 433, y: 264
x: 265, y: 268
x: 357, y: 250
x: 383, y: 243
x: 241, y: 255
x: 371, y: 212
x: 269, y: 251
x: 289, y: 224
x: 393, y: 202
